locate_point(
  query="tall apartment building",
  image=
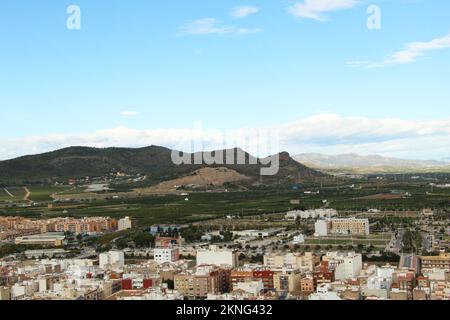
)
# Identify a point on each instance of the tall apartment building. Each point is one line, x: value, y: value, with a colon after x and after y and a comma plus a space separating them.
x: 344, y: 226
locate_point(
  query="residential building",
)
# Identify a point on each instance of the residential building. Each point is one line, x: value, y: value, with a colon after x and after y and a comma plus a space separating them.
x: 164, y: 255
x: 287, y: 280
x: 206, y: 280
x: 111, y: 259
x: 125, y: 224
x: 216, y: 256
x: 305, y: 262
x: 5, y: 293
x: 311, y: 214
x: 435, y: 262
x: 344, y: 226
x: 345, y: 265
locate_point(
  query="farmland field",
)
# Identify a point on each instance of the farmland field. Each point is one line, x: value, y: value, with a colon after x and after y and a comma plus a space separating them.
x: 43, y: 193
x: 209, y: 205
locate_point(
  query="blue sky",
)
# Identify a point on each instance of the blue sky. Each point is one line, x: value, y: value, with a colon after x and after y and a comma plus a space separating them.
x: 154, y: 65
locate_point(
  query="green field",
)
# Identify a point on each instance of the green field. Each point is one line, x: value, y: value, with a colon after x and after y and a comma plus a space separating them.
x: 203, y: 206
x: 37, y: 193
x: 43, y: 193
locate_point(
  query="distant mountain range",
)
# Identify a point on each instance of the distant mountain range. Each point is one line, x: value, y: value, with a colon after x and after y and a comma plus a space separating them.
x: 154, y: 162
x: 355, y: 163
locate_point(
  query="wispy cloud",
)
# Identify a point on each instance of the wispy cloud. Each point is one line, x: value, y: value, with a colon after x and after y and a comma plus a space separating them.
x: 411, y: 52
x: 325, y: 133
x: 211, y: 26
x: 244, y: 11
x: 129, y: 113
x: 316, y: 9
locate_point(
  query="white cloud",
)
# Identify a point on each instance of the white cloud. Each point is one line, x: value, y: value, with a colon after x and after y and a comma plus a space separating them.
x: 244, y: 11
x: 129, y: 113
x: 325, y: 133
x: 315, y: 9
x: 409, y: 54
x: 210, y: 26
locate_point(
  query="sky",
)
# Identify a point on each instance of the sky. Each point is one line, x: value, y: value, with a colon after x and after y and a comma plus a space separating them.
x: 141, y: 72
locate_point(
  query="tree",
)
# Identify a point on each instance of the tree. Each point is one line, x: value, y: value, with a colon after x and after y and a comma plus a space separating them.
x: 121, y: 243
x: 242, y: 256
x: 144, y: 240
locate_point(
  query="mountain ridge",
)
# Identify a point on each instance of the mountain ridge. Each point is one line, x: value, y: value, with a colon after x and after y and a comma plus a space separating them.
x: 153, y: 161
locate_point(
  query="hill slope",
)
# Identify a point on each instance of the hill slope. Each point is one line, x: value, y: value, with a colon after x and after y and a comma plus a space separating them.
x: 154, y: 162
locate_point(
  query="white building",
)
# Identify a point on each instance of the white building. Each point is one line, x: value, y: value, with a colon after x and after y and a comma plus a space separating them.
x: 112, y: 259
x: 218, y: 257
x: 381, y: 279
x: 299, y: 239
x: 125, y: 224
x: 311, y: 214
x: 345, y: 265
x: 321, y: 228
x: 163, y: 255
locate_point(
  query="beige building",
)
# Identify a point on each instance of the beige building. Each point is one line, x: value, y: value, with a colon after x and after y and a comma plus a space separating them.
x: 5, y: 293
x: 287, y: 280
x: 435, y: 262
x: 344, y: 226
x: 201, y: 283
x: 440, y: 290
x: 84, y: 225
x: 305, y: 262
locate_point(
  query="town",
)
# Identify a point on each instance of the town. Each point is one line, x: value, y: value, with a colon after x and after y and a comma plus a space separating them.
x: 299, y: 255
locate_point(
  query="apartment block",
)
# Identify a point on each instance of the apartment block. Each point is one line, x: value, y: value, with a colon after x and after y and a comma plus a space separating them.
x: 344, y: 226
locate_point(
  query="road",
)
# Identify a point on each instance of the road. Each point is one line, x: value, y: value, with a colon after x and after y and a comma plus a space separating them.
x: 27, y: 194
x: 396, y: 243
x: 9, y: 193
